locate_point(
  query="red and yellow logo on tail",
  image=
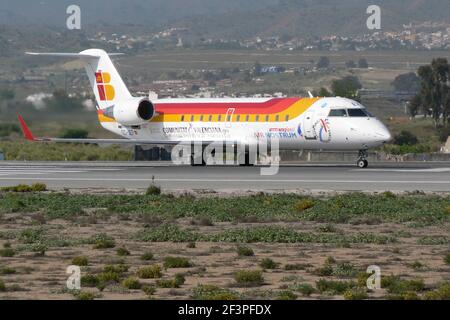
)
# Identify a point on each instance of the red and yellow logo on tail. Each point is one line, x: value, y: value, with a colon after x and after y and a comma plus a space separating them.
x: 105, y: 89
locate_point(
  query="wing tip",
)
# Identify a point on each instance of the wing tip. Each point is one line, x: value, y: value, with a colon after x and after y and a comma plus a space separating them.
x: 26, y: 131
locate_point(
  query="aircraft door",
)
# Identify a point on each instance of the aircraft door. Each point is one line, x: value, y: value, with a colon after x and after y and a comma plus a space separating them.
x: 308, y: 126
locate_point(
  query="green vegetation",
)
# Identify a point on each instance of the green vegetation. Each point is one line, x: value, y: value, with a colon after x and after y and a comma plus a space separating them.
x: 396, y: 285
x: 249, y: 278
x: 447, y: 258
x: 346, y: 208
x: 131, y: 283
x: 355, y: 294
x: 84, y: 295
x: 147, y: 256
x: 122, y: 252
x: 304, y: 288
x: 103, y: 241
x: 2, y: 286
x: 150, y: 272
x: 211, y: 292
x: 176, y: 262
x: 268, y: 263
x: 75, y: 134
x: 153, y: 190
x: 7, y: 252
x: 441, y: 293
x: 304, y: 204
x: 35, y: 187
x: 32, y: 151
x: 334, y: 287
x: 81, y: 261
x: 6, y: 129
x: 243, y: 251
x: 286, y: 295
x: 176, y: 282
x: 7, y: 270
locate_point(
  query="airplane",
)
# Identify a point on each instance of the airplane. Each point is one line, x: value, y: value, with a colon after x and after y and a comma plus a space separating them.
x: 310, y: 123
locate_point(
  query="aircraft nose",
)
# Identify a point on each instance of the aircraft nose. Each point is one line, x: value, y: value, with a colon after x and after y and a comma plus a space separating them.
x: 383, y: 135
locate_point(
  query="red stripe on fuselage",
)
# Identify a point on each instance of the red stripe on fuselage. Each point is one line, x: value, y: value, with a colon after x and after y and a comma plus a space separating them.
x: 272, y: 106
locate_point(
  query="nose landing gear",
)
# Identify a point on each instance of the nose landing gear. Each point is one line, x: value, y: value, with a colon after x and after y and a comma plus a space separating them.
x: 362, y: 159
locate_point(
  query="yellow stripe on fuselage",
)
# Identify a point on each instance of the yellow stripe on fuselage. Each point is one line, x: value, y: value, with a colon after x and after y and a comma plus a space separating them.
x: 291, y: 112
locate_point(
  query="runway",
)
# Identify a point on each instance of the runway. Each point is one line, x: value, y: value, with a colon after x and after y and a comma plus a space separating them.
x: 312, y: 176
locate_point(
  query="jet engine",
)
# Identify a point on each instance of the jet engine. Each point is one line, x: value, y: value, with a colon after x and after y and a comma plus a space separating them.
x: 133, y: 112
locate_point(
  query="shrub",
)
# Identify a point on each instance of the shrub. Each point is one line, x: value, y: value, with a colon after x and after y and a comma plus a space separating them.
x: 116, y: 268
x: 286, y: 295
x: 405, y: 138
x: 121, y: 252
x: 249, y: 278
x: 131, y: 283
x: 35, y: 187
x: 355, y: 294
x: 149, y: 290
x: 305, y: 289
x: 81, y: 261
x: 153, y: 190
x: 191, y: 245
x: 447, y: 258
x: 296, y: 266
x: 39, y: 249
x: 89, y: 280
x: 147, y: 256
x: 2, y: 286
x: 202, y: 221
x: 108, y: 277
x: 211, y: 292
x: 103, y: 241
x: 303, y: 205
x: 77, y: 133
x: 268, y: 263
x: 172, y: 283
x: 176, y: 262
x: 38, y: 187
x: 245, y: 251
x: 395, y: 285
x: 84, y: 295
x: 150, y: 272
x: 7, y: 252
x: 441, y: 293
x: 333, y: 287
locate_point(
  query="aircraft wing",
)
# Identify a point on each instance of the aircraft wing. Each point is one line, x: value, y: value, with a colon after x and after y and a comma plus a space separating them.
x: 29, y: 136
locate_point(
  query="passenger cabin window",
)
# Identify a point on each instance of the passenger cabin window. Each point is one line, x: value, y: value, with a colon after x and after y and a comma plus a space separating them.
x: 267, y: 118
x: 257, y: 118
x: 210, y: 118
x: 356, y: 113
x: 247, y: 118
x: 182, y: 118
x: 338, y: 113
x: 277, y: 118
x: 287, y: 117
x: 238, y: 118
x: 220, y: 118
x: 201, y: 118
x: 192, y: 118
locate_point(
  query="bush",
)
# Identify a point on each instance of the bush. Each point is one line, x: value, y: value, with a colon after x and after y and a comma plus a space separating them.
x: 7, y: 253
x: 150, y: 272
x: 441, y: 293
x: 84, y: 295
x: 245, y: 251
x: 249, y: 278
x: 286, y: 295
x: 153, y: 190
x: 81, y: 261
x: 108, y: 277
x: 396, y: 285
x: 447, y: 258
x: 89, y: 280
x: 121, y: 252
x: 305, y: 289
x: 75, y: 134
x: 117, y: 268
x: 211, y: 292
x: 202, y: 221
x: 355, y: 294
x: 268, y: 263
x: 7, y: 270
x: 103, y: 241
x: 35, y: 187
x: 131, y: 283
x: 303, y: 205
x: 334, y: 287
x: 149, y: 290
x: 172, y: 283
x: 176, y: 262
x: 296, y: 266
x: 405, y: 138
x: 147, y: 256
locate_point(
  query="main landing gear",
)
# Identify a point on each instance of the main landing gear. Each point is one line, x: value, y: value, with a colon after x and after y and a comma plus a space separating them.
x: 362, y: 159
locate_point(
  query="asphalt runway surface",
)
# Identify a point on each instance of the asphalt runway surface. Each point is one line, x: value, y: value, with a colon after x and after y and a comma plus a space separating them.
x: 423, y: 176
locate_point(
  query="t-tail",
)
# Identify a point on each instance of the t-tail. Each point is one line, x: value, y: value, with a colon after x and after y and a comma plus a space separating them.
x: 114, y: 101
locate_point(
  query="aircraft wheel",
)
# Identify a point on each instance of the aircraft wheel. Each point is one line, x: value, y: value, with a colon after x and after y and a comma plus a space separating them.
x: 362, y: 163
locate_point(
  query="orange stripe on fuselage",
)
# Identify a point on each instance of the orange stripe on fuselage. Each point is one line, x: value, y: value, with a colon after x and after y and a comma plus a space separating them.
x: 275, y: 109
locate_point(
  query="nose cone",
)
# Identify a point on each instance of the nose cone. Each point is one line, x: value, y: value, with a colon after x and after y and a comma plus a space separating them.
x: 382, y: 134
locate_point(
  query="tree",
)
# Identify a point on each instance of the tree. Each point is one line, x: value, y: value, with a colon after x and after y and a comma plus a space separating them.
x: 350, y: 64
x: 60, y: 101
x: 415, y: 105
x: 435, y: 91
x: 346, y: 87
x: 323, y: 92
x: 405, y: 138
x: 363, y: 64
x: 323, y: 63
x: 407, y: 82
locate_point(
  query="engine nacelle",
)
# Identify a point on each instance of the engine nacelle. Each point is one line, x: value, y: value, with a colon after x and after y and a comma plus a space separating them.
x: 132, y: 112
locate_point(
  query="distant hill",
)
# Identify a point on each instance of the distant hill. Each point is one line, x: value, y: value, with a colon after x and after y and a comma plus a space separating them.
x: 230, y: 18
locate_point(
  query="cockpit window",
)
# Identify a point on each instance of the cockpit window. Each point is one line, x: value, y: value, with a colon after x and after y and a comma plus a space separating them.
x: 357, y: 113
x: 338, y: 113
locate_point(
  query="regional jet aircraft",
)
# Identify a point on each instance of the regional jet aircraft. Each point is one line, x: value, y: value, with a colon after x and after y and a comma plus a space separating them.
x: 311, y: 123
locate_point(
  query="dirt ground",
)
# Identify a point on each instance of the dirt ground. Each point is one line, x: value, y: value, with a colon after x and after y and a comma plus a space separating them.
x: 44, y: 277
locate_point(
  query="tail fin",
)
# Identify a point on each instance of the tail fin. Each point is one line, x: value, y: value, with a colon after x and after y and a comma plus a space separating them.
x: 106, y: 82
